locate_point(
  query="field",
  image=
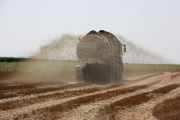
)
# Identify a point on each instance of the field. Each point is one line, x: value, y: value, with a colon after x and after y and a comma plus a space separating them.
x: 38, y: 66
x: 48, y: 90
x: 69, y: 66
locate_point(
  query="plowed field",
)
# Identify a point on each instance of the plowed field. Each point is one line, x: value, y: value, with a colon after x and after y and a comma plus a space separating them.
x: 141, y: 95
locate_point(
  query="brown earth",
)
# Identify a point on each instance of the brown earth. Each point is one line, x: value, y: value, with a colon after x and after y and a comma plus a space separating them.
x: 141, y: 95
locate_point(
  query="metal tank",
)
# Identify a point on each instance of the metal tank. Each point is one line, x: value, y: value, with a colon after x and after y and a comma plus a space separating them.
x: 100, y: 56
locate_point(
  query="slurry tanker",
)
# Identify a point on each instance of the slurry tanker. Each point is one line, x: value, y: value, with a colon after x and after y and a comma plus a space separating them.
x: 100, y: 57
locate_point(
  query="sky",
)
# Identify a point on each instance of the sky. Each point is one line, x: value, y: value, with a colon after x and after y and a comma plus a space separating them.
x: 25, y: 25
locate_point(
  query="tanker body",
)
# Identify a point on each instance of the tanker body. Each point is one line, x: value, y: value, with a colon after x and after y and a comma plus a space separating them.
x: 100, y: 57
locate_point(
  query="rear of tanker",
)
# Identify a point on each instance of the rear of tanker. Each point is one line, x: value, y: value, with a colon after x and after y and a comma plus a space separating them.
x: 100, y: 57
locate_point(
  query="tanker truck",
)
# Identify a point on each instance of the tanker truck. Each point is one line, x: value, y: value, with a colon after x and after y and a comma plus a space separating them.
x: 100, y: 58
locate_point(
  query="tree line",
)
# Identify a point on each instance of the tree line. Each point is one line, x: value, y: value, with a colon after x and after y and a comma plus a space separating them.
x: 12, y: 59
x: 21, y: 59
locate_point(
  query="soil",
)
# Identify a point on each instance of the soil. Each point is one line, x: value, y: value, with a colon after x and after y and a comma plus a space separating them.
x: 58, y: 96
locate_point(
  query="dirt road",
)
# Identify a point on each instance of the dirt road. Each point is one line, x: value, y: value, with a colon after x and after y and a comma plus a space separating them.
x: 135, y: 98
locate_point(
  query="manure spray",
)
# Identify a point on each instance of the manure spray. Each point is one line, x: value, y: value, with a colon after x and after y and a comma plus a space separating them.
x: 56, y: 60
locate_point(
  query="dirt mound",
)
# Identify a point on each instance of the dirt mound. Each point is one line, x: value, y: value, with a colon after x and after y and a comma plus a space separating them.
x: 168, y: 109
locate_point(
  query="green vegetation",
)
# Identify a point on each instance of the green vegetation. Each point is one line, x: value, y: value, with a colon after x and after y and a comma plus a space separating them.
x: 159, y: 67
x: 101, y: 110
x: 12, y: 59
x: 33, y: 66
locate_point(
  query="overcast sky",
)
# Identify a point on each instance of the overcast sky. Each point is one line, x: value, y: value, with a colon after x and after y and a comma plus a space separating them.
x: 27, y: 24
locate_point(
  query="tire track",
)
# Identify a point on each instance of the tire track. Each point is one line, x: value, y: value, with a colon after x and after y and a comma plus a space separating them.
x: 29, y: 89
x: 89, y: 111
x: 168, y: 109
x: 102, y: 93
x: 175, y: 76
x: 108, y: 112
x: 144, y: 97
x: 25, y: 102
x: 64, y: 107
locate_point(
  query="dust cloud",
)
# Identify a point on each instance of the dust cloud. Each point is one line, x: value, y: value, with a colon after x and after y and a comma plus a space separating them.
x: 64, y: 48
x: 53, y: 64
x: 138, y: 54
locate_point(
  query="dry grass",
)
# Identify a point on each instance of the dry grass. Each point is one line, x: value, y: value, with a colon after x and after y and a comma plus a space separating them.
x: 168, y: 109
